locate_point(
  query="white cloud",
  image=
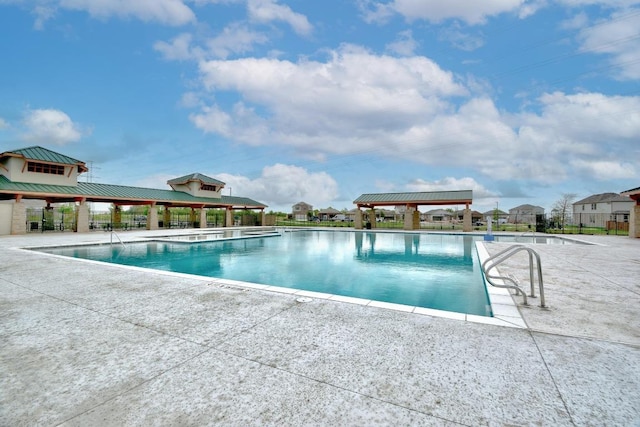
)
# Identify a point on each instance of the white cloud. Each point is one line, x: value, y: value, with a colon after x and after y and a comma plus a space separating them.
x: 605, y: 170
x: 179, y: 49
x: 43, y: 14
x: 189, y: 100
x: 353, y: 103
x: 235, y: 39
x: 280, y: 186
x: 410, y: 109
x: 471, y: 12
x: 213, y: 120
x: 266, y: 11
x: 451, y: 184
x: 169, y: 12
x: 50, y: 126
x: 577, y: 22
x: 459, y: 39
x: 575, y: 130
x: 405, y: 44
x: 612, y: 4
x: 618, y: 38
x: 3, y: 124
x: 155, y: 181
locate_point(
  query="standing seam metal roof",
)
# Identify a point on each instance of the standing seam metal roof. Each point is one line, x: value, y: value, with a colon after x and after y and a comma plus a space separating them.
x: 42, y: 154
x: 461, y: 196
x: 195, y: 177
x: 121, y: 193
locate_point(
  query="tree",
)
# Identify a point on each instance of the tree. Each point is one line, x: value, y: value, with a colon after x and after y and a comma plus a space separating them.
x: 562, y: 208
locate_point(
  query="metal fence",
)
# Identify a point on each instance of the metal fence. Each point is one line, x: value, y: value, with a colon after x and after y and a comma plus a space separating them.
x: 63, y: 218
x: 58, y: 219
x: 612, y: 224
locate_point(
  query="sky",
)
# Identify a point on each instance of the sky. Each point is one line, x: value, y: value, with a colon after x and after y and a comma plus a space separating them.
x: 520, y: 101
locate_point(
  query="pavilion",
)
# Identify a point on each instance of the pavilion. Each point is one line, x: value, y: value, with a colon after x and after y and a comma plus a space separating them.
x: 42, y: 174
x: 411, y: 201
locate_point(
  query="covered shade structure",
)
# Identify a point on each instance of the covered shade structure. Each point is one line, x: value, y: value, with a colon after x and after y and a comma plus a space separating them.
x: 411, y: 201
x: 41, y: 174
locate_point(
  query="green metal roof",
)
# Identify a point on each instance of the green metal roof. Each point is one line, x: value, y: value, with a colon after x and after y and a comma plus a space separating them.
x: 117, y: 194
x: 44, y: 155
x: 195, y: 177
x: 424, y: 198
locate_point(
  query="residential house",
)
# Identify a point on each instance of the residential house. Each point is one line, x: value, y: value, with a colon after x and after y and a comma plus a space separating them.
x: 525, y: 214
x: 300, y: 211
x: 327, y: 214
x: 475, y: 216
x: 598, y: 209
x: 438, y: 215
x: 496, y: 214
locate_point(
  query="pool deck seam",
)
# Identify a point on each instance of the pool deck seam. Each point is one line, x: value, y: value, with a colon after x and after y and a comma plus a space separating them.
x: 575, y: 365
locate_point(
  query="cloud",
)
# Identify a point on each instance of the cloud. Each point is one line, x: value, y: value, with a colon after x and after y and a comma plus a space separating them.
x: 280, y: 186
x: 353, y: 95
x: 168, y: 12
x: 436, y: 11
x: 605, y: 170
x: 572, y: 131
x: 409, y: 109
x: 618, y: 38
x: 405, y: 44
x: 179, y: 49
x: 577, y: 22
x: 155, y: 181
x: 235, y: 39
x: 451, y: 184
x: 266, y: 11
x: 50, y: 126
x: 461, y: 40
x: 3, y: 124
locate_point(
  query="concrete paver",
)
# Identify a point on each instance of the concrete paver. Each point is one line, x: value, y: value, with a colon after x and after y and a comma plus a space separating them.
x: 92, y: 344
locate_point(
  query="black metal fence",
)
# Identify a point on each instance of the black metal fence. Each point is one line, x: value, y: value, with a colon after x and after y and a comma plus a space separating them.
x: 57, y: 219
x: 63, y: 218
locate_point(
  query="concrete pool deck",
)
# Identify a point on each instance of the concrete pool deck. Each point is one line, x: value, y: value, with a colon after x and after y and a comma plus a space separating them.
x: 91, y: 344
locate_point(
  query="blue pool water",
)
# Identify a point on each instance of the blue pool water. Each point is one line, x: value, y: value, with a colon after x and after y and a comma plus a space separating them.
x: 437, y: 271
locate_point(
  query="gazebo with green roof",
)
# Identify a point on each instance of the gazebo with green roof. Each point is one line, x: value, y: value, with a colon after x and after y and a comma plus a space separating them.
x: 42, y: 174
x: 411, y: 201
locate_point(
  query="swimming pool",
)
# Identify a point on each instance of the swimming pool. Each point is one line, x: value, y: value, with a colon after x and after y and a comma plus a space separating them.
x: 439, y: 271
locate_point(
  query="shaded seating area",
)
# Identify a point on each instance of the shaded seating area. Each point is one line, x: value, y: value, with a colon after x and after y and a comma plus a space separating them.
x: 409, y: 202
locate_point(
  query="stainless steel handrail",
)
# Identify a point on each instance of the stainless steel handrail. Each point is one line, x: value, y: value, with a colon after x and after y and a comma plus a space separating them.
x: 491, y: 262
x: 118, y: 237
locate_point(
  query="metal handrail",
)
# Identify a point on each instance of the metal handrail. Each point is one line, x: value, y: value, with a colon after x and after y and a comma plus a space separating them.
x: 491, y: 262
x: 111, y: 240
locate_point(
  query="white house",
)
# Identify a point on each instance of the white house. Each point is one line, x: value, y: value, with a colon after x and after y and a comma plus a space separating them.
x: 596, y: 210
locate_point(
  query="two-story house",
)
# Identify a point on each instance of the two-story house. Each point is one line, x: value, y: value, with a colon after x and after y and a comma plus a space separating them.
x: 598, y: 209
x: 300, y: 211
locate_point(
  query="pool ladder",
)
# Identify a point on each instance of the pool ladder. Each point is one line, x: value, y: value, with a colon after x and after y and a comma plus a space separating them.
x: 118, y: 237
x: 493, y: 261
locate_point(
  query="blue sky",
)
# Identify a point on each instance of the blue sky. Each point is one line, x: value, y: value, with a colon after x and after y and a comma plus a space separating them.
x: 287, y: 101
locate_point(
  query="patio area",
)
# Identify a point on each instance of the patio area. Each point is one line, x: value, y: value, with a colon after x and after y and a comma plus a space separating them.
x: 92, y: 344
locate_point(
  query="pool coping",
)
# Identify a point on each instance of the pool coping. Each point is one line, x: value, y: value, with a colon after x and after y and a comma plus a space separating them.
x: 503, y: 307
